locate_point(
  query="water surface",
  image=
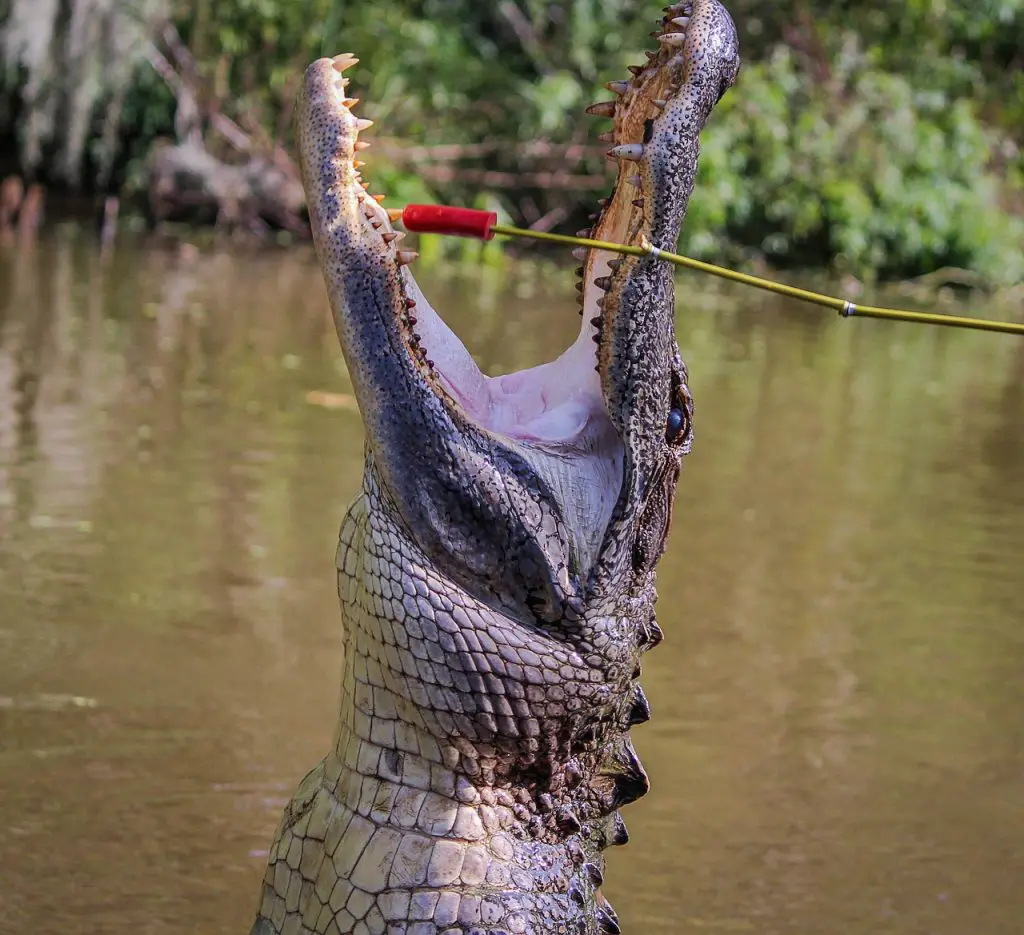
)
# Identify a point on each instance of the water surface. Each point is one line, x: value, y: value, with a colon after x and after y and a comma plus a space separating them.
x: 838, y: 734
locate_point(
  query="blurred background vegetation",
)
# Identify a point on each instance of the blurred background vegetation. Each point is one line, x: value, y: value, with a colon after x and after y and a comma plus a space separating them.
x: 880, y: 140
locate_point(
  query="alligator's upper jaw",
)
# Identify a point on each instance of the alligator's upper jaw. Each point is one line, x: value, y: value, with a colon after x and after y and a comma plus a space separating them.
x: 592, y: 425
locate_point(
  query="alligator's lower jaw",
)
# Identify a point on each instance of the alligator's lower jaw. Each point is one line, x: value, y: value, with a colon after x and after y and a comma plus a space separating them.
x: 552, y: 403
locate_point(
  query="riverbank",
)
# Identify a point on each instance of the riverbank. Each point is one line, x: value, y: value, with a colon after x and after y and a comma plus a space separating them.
x: 882, y: 142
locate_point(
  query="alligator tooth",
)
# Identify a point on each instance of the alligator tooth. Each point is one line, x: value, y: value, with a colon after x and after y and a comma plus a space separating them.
x: 638, y: 203
x: 350, y: 102
x: 363, y: 124
x: 576, y: 893
x: 631, y: 151
x: 651, y: 56
x: 596, y: 322
x: 594, y: 216
x: 603, y: 282
x: 579, y: 269
x: 636, y: 181
x: 584, y: 232
x: 660, y: 103
x: 410, y: 303
x: 390, y: 236
x: 640, y: 713
x: 604, y: 202
x: 657, y: 634
x: 368, y: 212
x: 358, y: 163
x: 343, y: 61
x: 614, y: 265
x: 395, y: 215
x: 607, y: 137
x: 635, y: 69
x: 595, y: 873
x: 376, y: 224
x: 412, y: 323
x: 360, y: 145
x: 580, y: 253
x: 672, y: 38
x: 602, y: 302
x: 579, y: 287
x: 602, y: 109
x: 618, y: 87
x: 405, y: 257
x: 682, y: 21
x: 608, y: 921
x: 378, y: 198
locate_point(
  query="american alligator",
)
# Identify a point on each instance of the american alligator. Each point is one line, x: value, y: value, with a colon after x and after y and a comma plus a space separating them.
x: 496, y: 574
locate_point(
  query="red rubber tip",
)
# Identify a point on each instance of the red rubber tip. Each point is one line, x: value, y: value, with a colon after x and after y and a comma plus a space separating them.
x: 441, y: 219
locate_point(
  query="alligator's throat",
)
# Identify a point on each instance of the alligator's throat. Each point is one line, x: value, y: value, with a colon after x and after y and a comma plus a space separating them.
x: 496, y: 574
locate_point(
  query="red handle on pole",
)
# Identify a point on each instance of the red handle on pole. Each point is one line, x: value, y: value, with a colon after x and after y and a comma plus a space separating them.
x: 441, y: 219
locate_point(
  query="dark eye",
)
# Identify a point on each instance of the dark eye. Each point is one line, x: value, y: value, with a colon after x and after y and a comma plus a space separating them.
x: 676, y: 426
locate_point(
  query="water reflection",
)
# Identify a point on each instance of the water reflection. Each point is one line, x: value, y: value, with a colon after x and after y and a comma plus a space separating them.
x: 836, y: 744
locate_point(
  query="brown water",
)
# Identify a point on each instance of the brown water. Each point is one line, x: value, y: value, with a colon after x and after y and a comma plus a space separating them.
x: 838, y: 734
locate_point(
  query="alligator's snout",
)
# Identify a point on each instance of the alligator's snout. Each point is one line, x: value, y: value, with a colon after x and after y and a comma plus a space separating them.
x: 496, y: 575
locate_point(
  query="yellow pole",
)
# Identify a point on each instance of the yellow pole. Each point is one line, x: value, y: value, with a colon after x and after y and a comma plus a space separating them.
x: 844, y: 307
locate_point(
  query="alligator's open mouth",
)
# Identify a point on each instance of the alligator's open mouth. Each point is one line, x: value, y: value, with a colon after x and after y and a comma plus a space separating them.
x: 592, y: 426
x: 551, y: 403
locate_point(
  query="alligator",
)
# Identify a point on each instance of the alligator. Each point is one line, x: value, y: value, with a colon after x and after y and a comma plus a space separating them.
x: 496, y: 572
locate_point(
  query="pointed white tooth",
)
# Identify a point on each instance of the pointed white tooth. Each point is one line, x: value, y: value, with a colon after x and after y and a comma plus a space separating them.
x: 343, y: 61
x: 631, y: 151
x: 360, y: 145
x: 391, y: 236
x: 636, y: 181
x: 672, y: 38
x: 363, y: 124
x: 580, y: 253
x: 618, y: 87
x: 681, y: 21
x: 606, y: 137
x: 405, y: 257
x: 660, y: 103
x: 602, y: 109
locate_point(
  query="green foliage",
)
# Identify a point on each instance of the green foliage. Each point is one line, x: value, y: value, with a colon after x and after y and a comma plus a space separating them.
x: 868, y: 172
x: 880, y: 138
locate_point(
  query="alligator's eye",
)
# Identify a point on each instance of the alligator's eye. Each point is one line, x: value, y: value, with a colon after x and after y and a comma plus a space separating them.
x: 676, y: 428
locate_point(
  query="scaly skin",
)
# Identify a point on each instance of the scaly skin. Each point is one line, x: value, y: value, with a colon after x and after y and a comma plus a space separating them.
x: 496, y: 601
